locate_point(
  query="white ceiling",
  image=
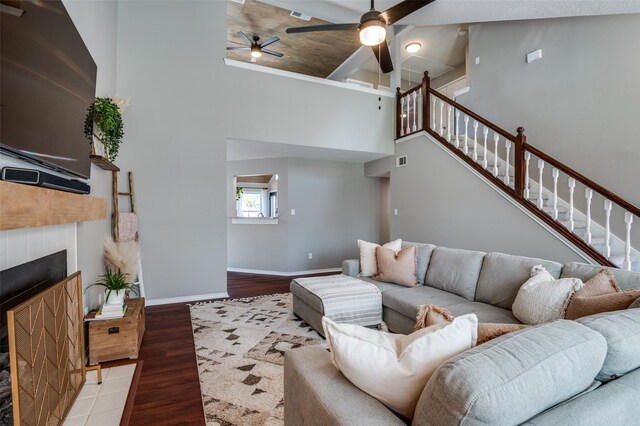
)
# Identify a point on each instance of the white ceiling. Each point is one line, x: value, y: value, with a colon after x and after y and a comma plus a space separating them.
x: 254, y: 150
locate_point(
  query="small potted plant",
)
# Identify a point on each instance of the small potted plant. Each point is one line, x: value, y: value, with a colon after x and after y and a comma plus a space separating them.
x: 105, y: 116
x: 115, y: 285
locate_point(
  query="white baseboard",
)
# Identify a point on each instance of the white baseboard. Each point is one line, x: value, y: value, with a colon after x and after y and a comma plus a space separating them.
x: 183, y: 299
x: 283, y: 274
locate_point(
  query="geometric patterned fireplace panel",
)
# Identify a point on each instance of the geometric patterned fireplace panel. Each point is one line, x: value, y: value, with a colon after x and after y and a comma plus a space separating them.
x: 46, y: 351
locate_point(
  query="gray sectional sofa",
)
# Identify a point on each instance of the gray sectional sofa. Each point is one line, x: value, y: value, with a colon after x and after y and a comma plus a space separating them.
x: 583, y: 372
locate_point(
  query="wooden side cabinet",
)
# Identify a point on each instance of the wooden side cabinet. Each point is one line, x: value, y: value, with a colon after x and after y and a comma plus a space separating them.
x: 118, y: 338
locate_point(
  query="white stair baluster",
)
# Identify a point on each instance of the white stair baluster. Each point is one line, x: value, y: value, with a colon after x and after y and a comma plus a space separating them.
x: 607, y: 228
x: 475, y: 140
x: 433, y: 110
x: 540, y: 183
x: 415, y: 112
x: 485, y: 132
x: 527, y: 159
x: 572, y: 187
x: 457, y: 129
x: 466, y: 134
x: 628, y: 220
x: 448, y: 123
x: 507, y: 178
x: 441, y: 117
x: 588, y: 194
x: 402, y: 115
x: 496, y: 138
x: 556, y: 174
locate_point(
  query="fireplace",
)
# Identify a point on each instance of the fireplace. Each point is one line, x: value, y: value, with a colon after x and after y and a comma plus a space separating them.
x: 17, y: 285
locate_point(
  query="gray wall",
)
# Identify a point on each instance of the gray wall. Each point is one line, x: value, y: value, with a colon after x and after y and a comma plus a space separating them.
x: 335, y: 205
x: 579, y: 103
x: 185, y: 103
x: 441, y: 202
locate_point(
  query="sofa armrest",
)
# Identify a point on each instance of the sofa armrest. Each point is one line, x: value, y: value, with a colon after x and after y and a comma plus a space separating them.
x: 315, y: 393
x: 351, y: 267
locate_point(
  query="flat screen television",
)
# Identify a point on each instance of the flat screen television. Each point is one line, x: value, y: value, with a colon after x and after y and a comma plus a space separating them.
x: 48, y: 80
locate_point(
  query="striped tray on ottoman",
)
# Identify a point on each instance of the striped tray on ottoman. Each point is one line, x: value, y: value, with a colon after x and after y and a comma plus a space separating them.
x: 339, y: 297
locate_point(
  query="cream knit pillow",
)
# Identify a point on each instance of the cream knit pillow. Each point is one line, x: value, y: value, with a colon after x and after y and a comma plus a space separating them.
x: 368, y: 262
x: 394, y: 368
x: 543, y: 298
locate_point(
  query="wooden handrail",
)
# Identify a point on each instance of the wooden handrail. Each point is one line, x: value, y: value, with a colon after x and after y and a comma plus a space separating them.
x: 521, y: 148
x: 473, y: 115
x: 584, y: 180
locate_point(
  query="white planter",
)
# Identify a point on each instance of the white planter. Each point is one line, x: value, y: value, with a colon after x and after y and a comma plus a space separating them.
x: 115, y: 298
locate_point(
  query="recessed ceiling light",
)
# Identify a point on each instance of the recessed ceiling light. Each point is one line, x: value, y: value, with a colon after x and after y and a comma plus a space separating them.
x: 413, y: 47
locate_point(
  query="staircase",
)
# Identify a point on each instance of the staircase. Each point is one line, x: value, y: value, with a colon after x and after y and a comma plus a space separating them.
x: 592, y: 218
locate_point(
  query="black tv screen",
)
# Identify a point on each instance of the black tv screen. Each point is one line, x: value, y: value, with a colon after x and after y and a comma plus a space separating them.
x: 48, y: 80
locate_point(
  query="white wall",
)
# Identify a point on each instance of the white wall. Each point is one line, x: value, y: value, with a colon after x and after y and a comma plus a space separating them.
x: 185, y: 104
x: 96, y: 22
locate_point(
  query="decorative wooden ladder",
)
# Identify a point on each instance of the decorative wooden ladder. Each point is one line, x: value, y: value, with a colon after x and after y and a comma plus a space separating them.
x: 116, y: 218
x: 518, y: 169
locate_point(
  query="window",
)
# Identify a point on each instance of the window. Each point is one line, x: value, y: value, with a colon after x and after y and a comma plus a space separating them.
x: 251, y: 202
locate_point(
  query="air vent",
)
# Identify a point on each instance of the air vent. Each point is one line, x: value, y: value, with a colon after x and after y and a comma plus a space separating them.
x: 238, y: 1
x: 401, y: 161
x: 299, y: 15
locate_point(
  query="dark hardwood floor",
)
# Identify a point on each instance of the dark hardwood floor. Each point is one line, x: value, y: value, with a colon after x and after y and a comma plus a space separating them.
x: 168, y: 389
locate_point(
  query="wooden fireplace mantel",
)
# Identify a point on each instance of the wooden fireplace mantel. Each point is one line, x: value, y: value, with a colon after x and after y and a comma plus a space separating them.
x: 25, y: 206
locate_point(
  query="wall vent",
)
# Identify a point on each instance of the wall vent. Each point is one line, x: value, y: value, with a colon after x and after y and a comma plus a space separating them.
x: 401, y: 161
x: 299, y: 15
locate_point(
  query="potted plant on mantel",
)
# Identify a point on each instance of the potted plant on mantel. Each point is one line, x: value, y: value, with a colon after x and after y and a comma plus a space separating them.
x: 104, y: 122
x: 115, y: 285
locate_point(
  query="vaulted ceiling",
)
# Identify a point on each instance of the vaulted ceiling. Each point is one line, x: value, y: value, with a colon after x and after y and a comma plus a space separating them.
x: 315, y: 54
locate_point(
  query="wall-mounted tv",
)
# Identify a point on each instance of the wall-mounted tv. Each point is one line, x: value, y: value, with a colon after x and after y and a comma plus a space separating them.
x: 48, y: 80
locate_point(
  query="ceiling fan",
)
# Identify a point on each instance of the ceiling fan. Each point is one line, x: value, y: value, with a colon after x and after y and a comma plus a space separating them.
x: 371, y: 28
x: 257, y: 48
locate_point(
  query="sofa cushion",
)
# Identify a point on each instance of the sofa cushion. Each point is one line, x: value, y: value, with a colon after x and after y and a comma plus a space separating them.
x: 512, y: 378
x: 455, y: 271
x: 626, y: 280
x: 407, y: 300
x: 423, y: 256
x: 502, y: 276
x: 383, y: 285
x: 395, y: 368
x: 622, y: 331
x: 484, y: 312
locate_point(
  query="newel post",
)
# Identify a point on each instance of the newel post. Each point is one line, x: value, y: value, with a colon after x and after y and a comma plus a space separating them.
x: 426, y: 105
x: 398, y: 113
x: 519, y: 166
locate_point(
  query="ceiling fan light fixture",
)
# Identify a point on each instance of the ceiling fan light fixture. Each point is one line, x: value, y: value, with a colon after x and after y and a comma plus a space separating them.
x: 255, y: 51
x: 413, y: 47
x: 372, y: 32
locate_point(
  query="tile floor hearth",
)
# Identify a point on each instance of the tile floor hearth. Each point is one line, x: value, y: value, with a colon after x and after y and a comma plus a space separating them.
x: 102, y: 405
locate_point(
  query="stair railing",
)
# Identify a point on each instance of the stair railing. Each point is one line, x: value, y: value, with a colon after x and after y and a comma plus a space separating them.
x: 522, y: 171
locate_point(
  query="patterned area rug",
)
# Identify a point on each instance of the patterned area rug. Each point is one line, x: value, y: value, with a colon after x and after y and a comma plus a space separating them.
x: 240, y: 346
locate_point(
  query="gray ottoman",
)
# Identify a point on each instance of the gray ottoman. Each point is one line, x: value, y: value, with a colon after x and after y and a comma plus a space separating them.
x: 339, y: 297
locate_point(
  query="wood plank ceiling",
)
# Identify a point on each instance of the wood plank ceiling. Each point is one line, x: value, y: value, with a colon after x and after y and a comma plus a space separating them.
x: 315, y: 54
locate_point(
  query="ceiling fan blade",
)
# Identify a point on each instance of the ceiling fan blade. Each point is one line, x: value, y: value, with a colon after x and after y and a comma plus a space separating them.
x: 383, y: 56
x: 328, y: 27
x: 272, y: 52
x: 245, y: 36
x: 402, y: 9
x: 238, y: 48
x: 270, y: 41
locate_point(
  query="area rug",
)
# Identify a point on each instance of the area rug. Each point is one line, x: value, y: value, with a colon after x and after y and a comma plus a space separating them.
x: 240, y: 346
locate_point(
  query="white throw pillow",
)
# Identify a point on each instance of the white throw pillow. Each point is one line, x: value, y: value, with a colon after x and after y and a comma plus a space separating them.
x: 368, y: 262
x: 395, y: 368
x: 543, y: 298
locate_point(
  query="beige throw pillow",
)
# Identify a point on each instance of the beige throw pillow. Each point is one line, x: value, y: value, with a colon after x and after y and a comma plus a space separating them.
x: 585, y: 306
x: 429, y: 315
x: 398, y: 269
x: 543, y: 298
x: 602, y: 283
x: 368, y: 263
x: 394, y: 368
